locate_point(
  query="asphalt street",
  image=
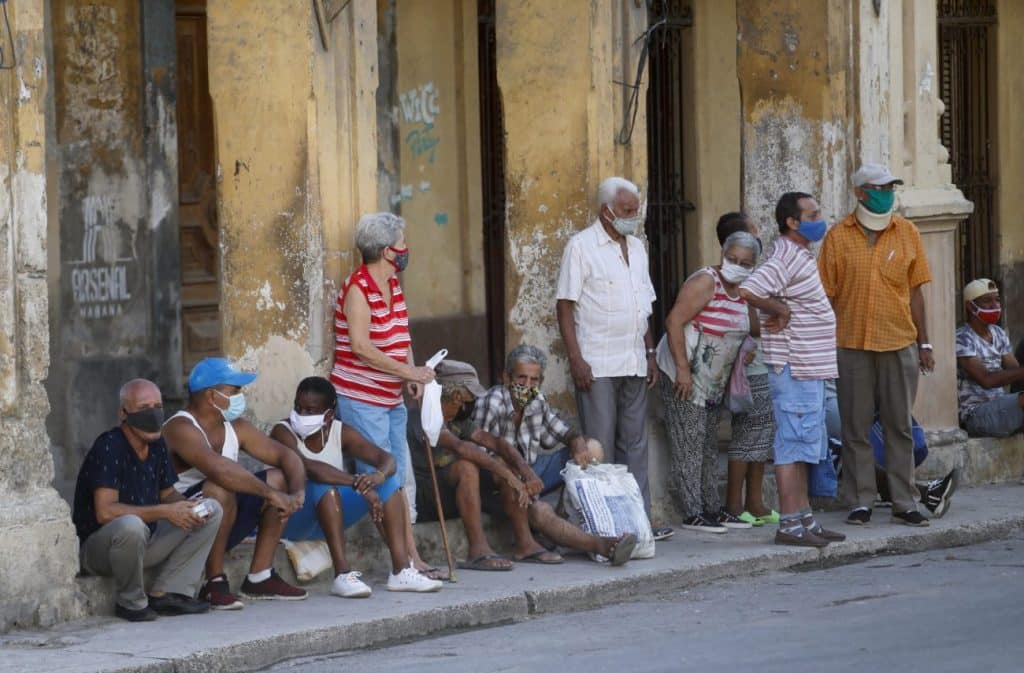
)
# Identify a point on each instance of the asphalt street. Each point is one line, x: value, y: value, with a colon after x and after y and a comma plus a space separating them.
x: 953, y: 610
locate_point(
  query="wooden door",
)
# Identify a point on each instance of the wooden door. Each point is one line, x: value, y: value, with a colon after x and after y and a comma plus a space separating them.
x: 197, y: 195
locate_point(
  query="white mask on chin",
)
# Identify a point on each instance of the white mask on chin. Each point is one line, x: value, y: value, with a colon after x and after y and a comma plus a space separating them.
x: 304, y: 426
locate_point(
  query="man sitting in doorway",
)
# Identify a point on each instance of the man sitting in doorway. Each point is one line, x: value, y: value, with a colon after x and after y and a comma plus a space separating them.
x: 129, y: 517
x: 469, y: 462
x: 985, y: 366
x: 336, y: 499
x: 204, y: 440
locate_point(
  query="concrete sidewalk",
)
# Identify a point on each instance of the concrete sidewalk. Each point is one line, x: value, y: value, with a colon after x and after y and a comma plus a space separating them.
x: 269, y: 632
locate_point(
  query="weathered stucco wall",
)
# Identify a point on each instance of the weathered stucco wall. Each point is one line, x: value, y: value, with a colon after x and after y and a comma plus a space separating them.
x: 1009, y: 148
x: 556, y: 66
x: 296, y: 156
x: 114, y: 290
x: 38, y: 553
x: 793, y: 66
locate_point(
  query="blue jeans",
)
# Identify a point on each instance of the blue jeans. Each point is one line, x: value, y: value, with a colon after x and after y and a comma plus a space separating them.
x: 548, y: 468
x: 305, y: 524
x: 799, y: 407
x: 382, y: 426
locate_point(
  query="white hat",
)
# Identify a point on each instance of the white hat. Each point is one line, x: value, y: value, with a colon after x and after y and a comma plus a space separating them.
x: 979, y: 288
x: 874, y: 174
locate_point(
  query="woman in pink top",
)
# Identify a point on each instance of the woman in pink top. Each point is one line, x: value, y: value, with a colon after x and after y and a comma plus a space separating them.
x: 373, y: 352
x: 703, y: 334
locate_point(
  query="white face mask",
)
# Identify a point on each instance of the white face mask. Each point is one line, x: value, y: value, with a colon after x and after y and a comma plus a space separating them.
x: 625, y: 225
x: 734, y: 273
x: 304, y: 426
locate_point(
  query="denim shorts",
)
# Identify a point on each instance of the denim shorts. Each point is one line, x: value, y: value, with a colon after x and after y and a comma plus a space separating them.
x: 548, y: 468
x: 1000, y: 417
x: 799, y: 406
x: 305, y: 524
x: 381, y: 426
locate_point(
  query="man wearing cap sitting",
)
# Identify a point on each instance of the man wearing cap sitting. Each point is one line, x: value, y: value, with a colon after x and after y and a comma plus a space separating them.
x: 872, y: 265
x: 204, y: 440
x: 129, y: 517
x: 478, y: 471
x: 986, y: 365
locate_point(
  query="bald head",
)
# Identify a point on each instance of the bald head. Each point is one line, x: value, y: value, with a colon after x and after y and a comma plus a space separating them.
x: 138, y: 394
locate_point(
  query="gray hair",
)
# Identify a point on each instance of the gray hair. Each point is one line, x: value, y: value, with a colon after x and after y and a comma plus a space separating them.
x: 377, y: 231
x: 528, y: 354
x: 742, y: 239
x: 610, y: 188
x: 127, y: 391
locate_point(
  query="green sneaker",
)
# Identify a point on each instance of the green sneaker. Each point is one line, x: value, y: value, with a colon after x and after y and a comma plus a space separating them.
x: 772, y: 518
x: 747, y: 517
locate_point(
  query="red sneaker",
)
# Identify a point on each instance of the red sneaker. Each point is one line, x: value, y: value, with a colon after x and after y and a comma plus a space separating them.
x: 273, y: 588
x: 218, y: 592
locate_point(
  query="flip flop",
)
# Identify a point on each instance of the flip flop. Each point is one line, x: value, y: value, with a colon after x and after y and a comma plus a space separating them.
x: 434, y: 573
x: 542, y: 557
x: 623, y: 549
x: 484, y: 563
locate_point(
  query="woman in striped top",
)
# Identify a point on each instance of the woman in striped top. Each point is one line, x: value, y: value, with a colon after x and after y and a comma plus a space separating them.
x: 373, y: 351
x: 703, y: 334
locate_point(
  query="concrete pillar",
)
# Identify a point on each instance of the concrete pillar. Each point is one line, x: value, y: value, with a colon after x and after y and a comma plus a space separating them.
x: 928, y: 198
x: 39, y: 554
x: 557, y: 64
x: 296, y: 151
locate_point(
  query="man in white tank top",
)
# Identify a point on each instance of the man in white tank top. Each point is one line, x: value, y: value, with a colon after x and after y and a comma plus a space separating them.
x: 204, y: 440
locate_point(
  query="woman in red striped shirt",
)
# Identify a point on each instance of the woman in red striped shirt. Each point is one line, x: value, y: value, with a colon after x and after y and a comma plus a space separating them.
x: 703, y: 334
x: 373, y: 356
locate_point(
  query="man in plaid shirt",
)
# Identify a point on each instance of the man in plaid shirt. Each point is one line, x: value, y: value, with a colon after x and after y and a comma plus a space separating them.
x: 517, y: 412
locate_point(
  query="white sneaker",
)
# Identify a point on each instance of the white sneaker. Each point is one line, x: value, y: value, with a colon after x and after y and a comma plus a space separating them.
x: 348, y: 585
x: 410, y: 579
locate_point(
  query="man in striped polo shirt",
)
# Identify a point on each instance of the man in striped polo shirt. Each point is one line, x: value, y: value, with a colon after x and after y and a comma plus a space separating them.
x: 798, y: 336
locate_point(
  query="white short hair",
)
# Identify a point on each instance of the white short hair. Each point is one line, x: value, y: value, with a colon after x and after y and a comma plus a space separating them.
x: 611, y: 187
x: 376, y: 231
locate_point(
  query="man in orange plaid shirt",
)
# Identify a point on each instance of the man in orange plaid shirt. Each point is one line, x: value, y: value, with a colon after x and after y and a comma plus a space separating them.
x: 872, y: 264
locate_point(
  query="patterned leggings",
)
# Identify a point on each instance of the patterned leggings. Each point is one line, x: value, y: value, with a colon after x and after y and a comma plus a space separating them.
x: 693, y: 458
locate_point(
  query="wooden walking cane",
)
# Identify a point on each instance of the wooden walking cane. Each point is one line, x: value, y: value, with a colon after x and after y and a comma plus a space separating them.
x: 440, y: 512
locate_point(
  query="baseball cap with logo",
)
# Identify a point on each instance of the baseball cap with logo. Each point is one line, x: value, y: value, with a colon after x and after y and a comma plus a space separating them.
x: 453, y: 372
x: 874, y: 174
x: 210, y: 372
x: 979, y: 288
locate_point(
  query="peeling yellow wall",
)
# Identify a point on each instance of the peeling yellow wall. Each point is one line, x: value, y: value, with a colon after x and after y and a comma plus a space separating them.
x: 295, y: 141
x: 439, y: 194
x: 556, y: 67
x: 1009, y: 148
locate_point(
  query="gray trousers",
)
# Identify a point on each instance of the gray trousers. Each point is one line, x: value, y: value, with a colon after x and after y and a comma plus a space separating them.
x: 886, y: 381
x: 123, y: 548
x: 614, y: 412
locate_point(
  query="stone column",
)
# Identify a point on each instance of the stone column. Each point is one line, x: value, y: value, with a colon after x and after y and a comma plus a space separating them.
x: 38, y: 547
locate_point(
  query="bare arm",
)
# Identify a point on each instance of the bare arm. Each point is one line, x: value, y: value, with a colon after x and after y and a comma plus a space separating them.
x: 186, y: 443
x: 357, y: 314
x: 926, y: 357
x: 265, y: 449
x: 471, y: 452
x: 579, y: 369
x: 177, y: 510
x: 691, y: 299
x: 773, y: 307
x: 755, y: 321
x: 975, y: 369
x: 505, y: 451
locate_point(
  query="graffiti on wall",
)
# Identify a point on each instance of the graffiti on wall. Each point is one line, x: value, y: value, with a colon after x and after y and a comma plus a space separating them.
x: 99, y: 280
x: 420, y: 107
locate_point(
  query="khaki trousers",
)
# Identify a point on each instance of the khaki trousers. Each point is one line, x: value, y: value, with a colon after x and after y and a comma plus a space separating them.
x: 885, y: 381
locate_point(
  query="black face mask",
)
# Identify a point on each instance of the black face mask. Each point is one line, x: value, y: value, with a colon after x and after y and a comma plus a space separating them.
x: 465, y: 411
x: 147, y: 420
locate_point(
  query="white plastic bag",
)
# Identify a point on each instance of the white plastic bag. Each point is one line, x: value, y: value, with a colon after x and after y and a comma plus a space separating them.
x: 430, y: 406
x: 605, y: 500
x: 308, y: 557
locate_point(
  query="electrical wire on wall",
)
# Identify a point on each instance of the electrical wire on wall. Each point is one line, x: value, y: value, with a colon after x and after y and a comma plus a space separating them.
x: 4, y: 65
x: 633, y: 102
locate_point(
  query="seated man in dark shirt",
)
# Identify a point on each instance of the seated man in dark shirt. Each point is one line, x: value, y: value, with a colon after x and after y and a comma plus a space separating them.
x: 129, y: 517
x: 477, y: 471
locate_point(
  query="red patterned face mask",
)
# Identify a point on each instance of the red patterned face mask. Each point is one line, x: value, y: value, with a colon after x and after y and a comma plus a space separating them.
x: 988, y: 315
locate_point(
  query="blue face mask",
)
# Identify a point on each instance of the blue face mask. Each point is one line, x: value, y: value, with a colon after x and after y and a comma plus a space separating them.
x: 879, y: 201
x: 236, y: 406
x: 813, y: 231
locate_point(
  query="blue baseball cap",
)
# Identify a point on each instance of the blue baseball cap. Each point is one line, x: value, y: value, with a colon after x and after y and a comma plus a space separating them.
x: 210, y: 372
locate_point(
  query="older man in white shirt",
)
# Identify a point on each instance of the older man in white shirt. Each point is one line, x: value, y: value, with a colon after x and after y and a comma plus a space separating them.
x: 604, y: 304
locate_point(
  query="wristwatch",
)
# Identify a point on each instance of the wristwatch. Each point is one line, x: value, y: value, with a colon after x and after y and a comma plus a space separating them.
x: 924, y: 347
x: 651, y: 351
